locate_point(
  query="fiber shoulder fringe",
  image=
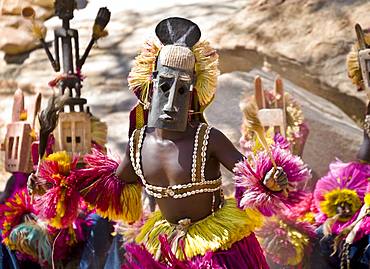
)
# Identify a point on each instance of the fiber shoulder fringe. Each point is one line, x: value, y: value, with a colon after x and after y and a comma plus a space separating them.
x: 215, y: 232
x: 102, y: 189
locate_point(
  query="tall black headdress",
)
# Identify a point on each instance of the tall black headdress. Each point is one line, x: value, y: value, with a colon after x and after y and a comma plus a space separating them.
x: 178, y: 31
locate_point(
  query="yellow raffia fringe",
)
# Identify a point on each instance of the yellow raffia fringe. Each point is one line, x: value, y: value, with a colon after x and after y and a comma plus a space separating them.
x: 308, y: 217
x: 206, y: 70
x: 367, y: 199
x: 63, y: 159
x: 130, y: 201
x: 56, y: 222
x: 99, y: 131
x: 228, y: 225
x: 299, y: 241
x: 335, y: 197
x: 353, y: 65
x: 140, y: 77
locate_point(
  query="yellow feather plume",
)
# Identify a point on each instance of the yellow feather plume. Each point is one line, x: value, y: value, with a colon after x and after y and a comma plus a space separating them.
x: 63, y: 159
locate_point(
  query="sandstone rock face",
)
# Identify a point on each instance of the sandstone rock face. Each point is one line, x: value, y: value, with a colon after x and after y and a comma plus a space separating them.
x: 43, y: 8
x: 16, y: 35
x: 332, y: 133
x: 305, y: 41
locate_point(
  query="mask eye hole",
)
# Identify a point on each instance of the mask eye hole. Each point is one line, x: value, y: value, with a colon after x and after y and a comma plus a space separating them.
x: 182, y: 90
x: 165, y: 86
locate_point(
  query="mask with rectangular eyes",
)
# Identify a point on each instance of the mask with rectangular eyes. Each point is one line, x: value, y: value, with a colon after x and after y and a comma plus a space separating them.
x: 172, y: 89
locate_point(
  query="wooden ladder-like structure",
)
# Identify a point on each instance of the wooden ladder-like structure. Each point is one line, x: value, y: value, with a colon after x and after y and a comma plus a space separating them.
x: 271, y: 117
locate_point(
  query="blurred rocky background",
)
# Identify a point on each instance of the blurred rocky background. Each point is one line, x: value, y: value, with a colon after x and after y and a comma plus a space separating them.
x: 305, y: 41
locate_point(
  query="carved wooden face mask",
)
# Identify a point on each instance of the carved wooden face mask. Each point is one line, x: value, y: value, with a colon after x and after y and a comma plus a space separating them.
x: 171, y: 97
x: 73, y: 133
x: 18, y: 138
x: 174, y: 80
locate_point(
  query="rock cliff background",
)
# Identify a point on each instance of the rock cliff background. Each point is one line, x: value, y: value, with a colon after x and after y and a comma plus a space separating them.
x: 305, y: 41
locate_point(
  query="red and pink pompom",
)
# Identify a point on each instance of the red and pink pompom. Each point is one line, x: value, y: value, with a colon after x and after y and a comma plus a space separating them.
x: 250, y: 173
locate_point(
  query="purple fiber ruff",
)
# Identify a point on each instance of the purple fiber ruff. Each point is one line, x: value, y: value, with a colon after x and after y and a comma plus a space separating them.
x: 20, y: 182
x: 243, y: 254
x: 246, y: 253
x: 239, y: 191
x: 281, y: 142
x: 364, y: 228
x: 137, y: 257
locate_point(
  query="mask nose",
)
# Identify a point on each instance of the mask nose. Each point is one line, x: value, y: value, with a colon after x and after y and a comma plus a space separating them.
x: 170, y: 106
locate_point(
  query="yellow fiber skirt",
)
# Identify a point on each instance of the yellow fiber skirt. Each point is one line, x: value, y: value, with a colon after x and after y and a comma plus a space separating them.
x: 215, y: 232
